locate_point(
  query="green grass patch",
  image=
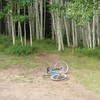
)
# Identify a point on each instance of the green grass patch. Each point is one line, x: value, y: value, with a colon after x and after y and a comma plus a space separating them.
x: 45, y: 45
x: 79, y: 60
x: 5, y: 42
x: 12, y: 61
x: 89, y: 52
x: 21, y: 50
x: 39, y: 46
x: 84, y: 68
x: 85, y: 62
x: 90, y: 79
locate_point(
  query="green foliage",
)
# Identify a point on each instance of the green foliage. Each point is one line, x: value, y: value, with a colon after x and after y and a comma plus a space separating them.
x: 21, y: 18
x: 23, y: 3
x: 2, y: 15
x: 38, y: 46
x: 21, y: 50
x: 5, y: 42
x: 57, y: 8
x: 45, y: 45
x: 89, y: 52
x: 20, y: 3
x: 11, y: 7
x: 80, y: 11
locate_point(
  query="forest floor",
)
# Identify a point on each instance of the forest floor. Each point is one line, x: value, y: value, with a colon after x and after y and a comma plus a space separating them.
x: 18, y: 82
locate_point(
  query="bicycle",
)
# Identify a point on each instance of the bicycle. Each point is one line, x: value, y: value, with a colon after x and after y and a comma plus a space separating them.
x: 59, y: 72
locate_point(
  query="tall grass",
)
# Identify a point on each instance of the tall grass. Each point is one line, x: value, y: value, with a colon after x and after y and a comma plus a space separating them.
x: 42, y: 46
x: 89, y: 52
x: 6, y: 46
x: 5, y: 42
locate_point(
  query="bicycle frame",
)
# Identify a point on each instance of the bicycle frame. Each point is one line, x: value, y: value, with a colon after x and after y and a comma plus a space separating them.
x: 53, y: 72
x: 57, y: 76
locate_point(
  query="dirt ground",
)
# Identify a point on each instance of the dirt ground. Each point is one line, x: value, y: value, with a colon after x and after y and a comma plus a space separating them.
x: 19, y: 83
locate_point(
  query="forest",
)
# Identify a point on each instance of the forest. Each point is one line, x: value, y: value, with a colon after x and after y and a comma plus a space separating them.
x: 71, y: 23
x: 49, y: 49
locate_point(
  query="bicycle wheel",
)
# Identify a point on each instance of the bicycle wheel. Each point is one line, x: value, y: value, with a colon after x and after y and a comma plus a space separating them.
x: 61, y: 67
x: 59, y: 77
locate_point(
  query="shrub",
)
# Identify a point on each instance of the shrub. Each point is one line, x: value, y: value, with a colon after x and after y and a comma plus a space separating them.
x: 21, y: 50
x: 5, y: 42
x: 89, y: 52
x: 42, y: 45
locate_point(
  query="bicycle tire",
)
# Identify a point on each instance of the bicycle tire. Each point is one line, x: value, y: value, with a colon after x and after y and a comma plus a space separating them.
x: 64, y: 66
x: 59, y: 77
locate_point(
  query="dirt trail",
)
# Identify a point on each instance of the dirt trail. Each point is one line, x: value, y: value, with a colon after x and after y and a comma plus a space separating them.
x: 34, y: 86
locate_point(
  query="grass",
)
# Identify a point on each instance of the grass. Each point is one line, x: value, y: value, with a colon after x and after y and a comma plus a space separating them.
x: 84, y: 68
x: 11, y: 61
x: 90, y: 79
x: 39, y: 46
x: 89, y: 52
x: 84, y: 63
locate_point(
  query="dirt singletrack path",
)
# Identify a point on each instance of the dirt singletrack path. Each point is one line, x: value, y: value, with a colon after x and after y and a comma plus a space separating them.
x: 16, y: 87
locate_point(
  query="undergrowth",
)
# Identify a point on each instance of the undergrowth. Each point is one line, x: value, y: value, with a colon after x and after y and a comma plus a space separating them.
x: 21, y: 50
x: 39, y: 46
x: 89, y: 52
